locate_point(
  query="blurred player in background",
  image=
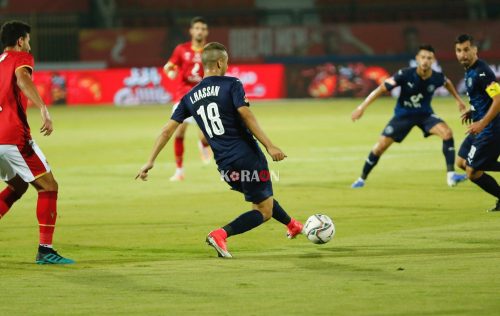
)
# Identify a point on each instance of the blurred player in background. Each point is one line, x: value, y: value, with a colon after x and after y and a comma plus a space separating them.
x: 21, y: 160
x: 480, y: 150
x: 185, y: 62
x: 221, y: 110
x: 413, y: 108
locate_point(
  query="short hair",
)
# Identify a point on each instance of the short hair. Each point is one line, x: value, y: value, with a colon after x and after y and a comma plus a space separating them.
x: 12, y: 30
x: 462, y: 38
x: 426, y: 47
x: 212, y: 52
x: 198, y: 19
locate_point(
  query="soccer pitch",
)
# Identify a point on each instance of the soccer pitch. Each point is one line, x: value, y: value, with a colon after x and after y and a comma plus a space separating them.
x: 406, y: 244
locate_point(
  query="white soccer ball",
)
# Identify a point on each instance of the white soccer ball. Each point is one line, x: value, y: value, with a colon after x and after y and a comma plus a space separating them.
x: 319, y: 229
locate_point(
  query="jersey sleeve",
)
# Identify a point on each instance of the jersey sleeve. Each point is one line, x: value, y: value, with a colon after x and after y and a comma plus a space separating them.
x: 176, y: 57
x: 395, y: 80
x: 488, y: 82
x: 238, y: 95
x: 181, y: 112
x: 25, y: 60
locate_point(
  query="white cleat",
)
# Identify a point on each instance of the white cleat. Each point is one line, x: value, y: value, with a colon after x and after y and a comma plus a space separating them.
x: 205, y: 153
x: 358, y: 184
x: 178, y: 175
x: 453, y: 178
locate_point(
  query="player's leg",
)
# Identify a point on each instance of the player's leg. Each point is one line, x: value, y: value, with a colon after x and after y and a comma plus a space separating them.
x: 485, y: 182
x: 294, y: 227
x: 204, y: 147
x: 179, y: 152
x: 442, y: 130
x: 30, y: 164
x: 46, y: 213
x: 15, y: 189
x: 482, y: 154
x: 261, y: 212
x: 259, y: 192
x: 371, y: 161
x: 463, y: 151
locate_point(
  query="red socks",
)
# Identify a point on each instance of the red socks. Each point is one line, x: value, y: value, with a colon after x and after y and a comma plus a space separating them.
x: 46, y: 212
x: 7, y: 198
x: 179, y: 151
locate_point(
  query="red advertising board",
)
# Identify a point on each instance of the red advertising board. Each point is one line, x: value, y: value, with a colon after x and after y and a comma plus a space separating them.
x: 136, y: 86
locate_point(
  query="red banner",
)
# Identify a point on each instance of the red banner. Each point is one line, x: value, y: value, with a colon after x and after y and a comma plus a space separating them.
x: 136, y: 86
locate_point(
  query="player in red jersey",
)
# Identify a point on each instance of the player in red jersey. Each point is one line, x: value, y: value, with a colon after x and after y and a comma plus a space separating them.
x: 185, y: 63
x: 21, y: 160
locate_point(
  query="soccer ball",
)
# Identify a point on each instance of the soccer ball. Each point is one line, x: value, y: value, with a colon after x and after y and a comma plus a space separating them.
x: 319, y: 229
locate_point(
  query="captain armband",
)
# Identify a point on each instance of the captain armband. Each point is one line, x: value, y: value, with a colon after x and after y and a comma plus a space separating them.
x: 493, y: 89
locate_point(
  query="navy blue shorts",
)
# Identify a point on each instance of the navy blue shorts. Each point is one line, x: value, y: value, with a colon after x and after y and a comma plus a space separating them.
x: 399, y: 127
x: 250, y: 176
x: 480, y: 154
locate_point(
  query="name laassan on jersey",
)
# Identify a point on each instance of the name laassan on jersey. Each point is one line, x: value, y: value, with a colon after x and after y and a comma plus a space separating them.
x: 205, y: 92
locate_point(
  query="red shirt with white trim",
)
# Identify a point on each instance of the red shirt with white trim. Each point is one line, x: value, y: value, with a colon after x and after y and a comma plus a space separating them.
x: 189, y: 68
x: 14, y: 128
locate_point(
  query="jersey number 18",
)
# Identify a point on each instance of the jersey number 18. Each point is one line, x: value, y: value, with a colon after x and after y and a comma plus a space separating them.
x: 211, y: 114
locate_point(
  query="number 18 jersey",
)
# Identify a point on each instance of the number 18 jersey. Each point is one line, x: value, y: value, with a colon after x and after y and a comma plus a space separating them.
x: 214, y: 104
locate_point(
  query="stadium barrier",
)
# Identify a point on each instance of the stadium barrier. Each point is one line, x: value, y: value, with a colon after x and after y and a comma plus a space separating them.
x: 148, y: 85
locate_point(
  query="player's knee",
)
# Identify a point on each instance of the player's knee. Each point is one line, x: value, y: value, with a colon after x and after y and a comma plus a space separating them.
x: 266, y: 208
x: 447, y: 134
x: 460, y: 163
x: 19, y: 189
x: 51, y: 186
x: 473, y: 174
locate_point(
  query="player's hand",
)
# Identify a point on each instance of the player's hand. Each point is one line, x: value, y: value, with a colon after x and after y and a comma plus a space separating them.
x: 466, y: 117
x: 461, y: 107
x: 357, y: 114
x: 476, y: 127
x: 171, y: 74
x: 47, y: 126
x: 276, y: 153
x: 143, y: 172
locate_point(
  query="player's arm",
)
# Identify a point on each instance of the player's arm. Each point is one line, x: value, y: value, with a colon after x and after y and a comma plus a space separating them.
x: 28, y: 88
x: 254, y: 127
x: 451, y: 89
x: 358, y: 112
x: 170, y: 70
x: 166, y: 133
x: 493, y: 91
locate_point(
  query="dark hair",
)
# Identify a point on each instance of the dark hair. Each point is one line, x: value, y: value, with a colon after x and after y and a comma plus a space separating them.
x: 198, y: 19
x: 11, y: 31
x: 212, y: 52
x: 462, y: 38
x: 426, y: 47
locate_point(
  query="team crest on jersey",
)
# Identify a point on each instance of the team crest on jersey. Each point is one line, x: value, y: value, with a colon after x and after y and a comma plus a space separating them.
x: 389, y: 130
x: 469, y: 82
x: 187, y: 55
x: 431, y: 88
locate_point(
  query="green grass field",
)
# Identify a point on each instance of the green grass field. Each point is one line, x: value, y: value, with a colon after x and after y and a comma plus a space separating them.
x: 406, y: 244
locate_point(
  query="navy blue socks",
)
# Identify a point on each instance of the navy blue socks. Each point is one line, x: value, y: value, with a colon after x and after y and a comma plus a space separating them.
x: 279, y: 214
x: 370, y: 163
x: 449, y: 154
x: 244, y: 222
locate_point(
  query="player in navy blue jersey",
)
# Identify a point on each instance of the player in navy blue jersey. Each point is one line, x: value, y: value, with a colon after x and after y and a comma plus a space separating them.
x: 220, y: 108
x: 480, y: 150
x: 413, y: 108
